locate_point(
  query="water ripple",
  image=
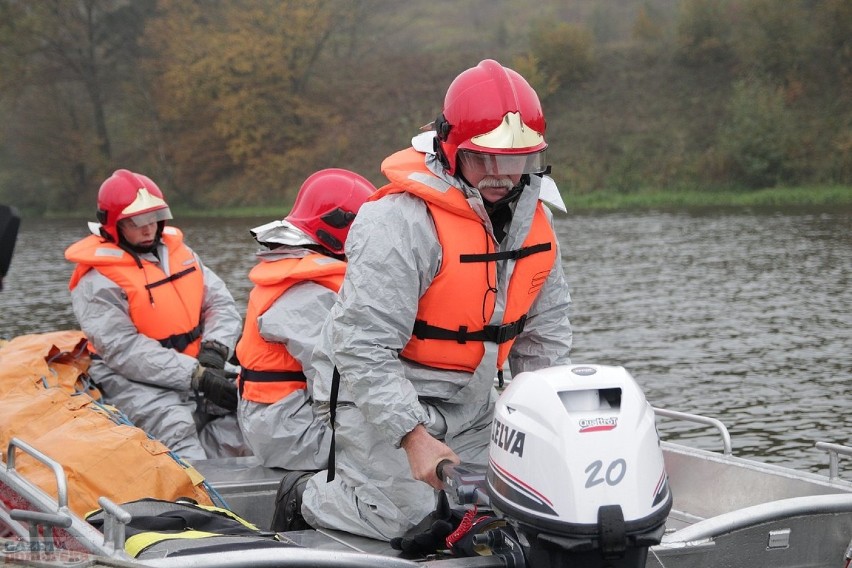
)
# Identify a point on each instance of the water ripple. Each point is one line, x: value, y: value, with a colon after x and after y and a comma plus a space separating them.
x: 741, y: 317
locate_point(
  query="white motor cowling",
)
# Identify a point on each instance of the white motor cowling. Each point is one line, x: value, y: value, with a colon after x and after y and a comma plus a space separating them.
x: 575, y: 465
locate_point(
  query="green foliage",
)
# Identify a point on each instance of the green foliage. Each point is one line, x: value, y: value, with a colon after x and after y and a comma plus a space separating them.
x: 756, y: 137
x: 530, y: 69
x: 62, y: 62
x: 772, y: 42
x: 647, y: 29
x: 228, y: 104
x: 817, y: 197
x: 564, y: 52
x: 650, y: 34
x: 832, y: 23
x: 703, y: 32
x: 602, y: 23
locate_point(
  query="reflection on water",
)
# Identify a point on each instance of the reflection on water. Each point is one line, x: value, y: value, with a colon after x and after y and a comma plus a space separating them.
x: 744, y: 317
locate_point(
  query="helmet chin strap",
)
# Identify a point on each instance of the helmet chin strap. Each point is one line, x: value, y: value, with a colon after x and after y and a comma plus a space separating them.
x: 500, y: 213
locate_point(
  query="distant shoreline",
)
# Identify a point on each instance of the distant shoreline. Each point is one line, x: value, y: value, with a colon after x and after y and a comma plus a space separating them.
x: 824, y: 197
x: 817, y: 198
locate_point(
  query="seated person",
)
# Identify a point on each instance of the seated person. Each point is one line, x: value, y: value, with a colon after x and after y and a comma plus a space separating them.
x: 296, y: 282
x: 160, y: 324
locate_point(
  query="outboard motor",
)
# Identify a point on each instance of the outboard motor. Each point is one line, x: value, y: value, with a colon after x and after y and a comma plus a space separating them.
x: 575, y: 467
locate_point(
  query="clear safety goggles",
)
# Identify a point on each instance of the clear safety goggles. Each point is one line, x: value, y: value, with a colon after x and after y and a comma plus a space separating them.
x: 476, y: 164
x: 147, y: 218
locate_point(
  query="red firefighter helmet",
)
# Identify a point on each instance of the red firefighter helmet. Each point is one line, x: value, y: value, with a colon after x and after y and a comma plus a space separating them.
x: 127, y: 195
x: 327, y: 204
x: 492, y: 110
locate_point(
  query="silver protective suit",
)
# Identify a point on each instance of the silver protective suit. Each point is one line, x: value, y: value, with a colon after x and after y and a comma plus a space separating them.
x: 287, y: 433
x: 150, y: 383
x: 394, y: 253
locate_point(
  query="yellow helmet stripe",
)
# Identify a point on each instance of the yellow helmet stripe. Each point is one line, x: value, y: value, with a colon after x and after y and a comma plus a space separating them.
x: 144, y: 202
x: 512, y: 133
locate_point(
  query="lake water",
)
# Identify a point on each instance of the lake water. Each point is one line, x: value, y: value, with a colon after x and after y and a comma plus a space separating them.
x: 741, y: 317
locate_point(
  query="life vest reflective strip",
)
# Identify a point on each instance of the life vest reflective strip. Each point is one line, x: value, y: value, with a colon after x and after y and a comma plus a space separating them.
x: 269, y: 372
x: 163, y: 307
x: 454, y: 313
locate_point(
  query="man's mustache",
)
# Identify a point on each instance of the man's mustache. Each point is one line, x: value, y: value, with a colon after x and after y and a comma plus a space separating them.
x: 489, y: 181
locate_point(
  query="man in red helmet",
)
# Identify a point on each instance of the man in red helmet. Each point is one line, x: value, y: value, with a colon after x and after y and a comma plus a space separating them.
x: 453, y: 270
x: 296, y: 281
x: 160, y: 324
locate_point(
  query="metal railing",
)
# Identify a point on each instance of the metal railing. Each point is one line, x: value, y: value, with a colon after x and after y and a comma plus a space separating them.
x: 697, y: 418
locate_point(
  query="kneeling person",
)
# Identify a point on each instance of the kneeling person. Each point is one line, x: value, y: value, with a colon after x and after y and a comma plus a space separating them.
x: 454, y: 272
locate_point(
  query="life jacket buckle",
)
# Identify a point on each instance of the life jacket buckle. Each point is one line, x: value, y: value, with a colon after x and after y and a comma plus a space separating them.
x: 502, y: 333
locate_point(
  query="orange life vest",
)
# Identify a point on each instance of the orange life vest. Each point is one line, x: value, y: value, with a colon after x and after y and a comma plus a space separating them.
x: 165, y: 308
x: 269, y: 372
x: 454, y: 314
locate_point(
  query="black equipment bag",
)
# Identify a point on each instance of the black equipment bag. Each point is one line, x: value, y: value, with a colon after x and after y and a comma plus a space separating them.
x: 162, y: 529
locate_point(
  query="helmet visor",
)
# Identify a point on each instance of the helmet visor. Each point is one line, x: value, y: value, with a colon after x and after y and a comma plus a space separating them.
x: 478, y: 165
x: 150, y: 217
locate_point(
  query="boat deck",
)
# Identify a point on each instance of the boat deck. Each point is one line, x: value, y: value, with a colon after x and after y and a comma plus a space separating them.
x: 714, y: 494
x: 727, y: 511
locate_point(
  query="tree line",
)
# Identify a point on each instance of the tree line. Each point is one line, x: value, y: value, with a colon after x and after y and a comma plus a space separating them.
x: 233, y: 103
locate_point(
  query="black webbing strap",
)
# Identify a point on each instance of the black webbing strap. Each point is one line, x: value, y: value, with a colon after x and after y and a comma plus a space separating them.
x: 181, y: 341
x: 506, y: 254
x: 493, y: 333
x: 335, y: 388
x: 252, y: 376
x: 171, y: 278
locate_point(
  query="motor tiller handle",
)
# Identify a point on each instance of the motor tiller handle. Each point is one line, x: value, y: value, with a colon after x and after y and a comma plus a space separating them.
x: 439, y: 469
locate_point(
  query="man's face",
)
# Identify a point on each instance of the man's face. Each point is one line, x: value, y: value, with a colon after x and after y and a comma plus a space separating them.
x: 495, y: 188
x: 494, y: 175
x: 141, y: 236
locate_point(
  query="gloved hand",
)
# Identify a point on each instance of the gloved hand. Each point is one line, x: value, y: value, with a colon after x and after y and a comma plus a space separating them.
x: 213, y: 355
x: 430, y: 535
x: 425, y: 542
x: 450, y: 529
x: 215, y: 387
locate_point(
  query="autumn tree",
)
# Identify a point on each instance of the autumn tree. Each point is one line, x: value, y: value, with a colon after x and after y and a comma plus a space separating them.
x: 648, y: 30
x: 771, y: 42
x: 63, y: 63
x: 564, y: 51
x: 703, y: 32
x: 757, y: 135
x: 233, y: 85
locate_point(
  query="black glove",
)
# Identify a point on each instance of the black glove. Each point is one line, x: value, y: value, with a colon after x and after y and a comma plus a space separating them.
x: 445, y: 521
x: 425, y: 542
x: 213, y: 355
x: 215, y: 387
x: 430, y: 534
